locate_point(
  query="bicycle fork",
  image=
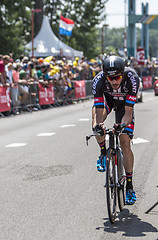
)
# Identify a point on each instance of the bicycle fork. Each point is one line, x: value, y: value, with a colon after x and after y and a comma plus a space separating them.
x: 116, y: 171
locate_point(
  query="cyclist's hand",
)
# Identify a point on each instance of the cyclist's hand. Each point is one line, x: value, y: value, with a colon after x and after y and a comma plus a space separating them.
x: 99, y: 129
x: 119, y: 127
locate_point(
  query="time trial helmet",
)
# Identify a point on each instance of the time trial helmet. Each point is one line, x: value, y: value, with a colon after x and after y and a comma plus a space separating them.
x: 113, y: 65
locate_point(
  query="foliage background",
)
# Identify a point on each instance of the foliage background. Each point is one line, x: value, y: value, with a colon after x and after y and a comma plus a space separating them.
x: 15, y: 25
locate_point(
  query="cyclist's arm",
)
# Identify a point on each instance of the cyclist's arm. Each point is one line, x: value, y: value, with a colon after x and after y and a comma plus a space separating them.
x: 127, y: 118
x: 99, y: 115
x: 133, y: 84
x: 100, y: 108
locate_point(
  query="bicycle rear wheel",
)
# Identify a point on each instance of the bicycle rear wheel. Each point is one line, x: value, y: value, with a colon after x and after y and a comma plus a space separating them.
x: 121, y: 179
x: 111, y: 188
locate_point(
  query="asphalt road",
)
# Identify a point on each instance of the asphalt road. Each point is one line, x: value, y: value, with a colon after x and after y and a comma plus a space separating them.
x: 49, y: 185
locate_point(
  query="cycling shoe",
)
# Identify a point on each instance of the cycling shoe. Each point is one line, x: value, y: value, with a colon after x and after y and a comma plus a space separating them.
x: 101, y: 163
x: 130, y: 197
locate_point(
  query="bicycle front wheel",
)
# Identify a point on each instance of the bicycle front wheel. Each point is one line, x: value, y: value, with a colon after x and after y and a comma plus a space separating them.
x: 121, y: 179
x: 111, y: 188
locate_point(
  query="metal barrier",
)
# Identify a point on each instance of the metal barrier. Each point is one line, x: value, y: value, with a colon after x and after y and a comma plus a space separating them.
x: 46, y: 95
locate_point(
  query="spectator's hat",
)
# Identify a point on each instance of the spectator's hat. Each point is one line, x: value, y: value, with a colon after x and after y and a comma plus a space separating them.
x: 25, y: 59
x: 17, y: 61
x: 6, y: 58
x: 40, y: 60
x: 9, y: 64
x: 22, y: 74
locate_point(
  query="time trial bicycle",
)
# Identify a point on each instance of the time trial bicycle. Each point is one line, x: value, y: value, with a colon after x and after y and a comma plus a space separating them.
x: 115, y: 174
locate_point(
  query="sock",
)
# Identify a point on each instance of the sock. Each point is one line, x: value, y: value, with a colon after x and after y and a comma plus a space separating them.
x: 129, y: 184
x: 102, y: 147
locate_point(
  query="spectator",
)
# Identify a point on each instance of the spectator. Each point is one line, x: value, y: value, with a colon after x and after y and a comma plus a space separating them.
x: 13, y: 93
x: 84, y: 73
x: 33, y: 85
x: 23, y: 90
x: 3, y: 63
x: 67, y: 87
x: 55, y: 75
x: 15, y: 74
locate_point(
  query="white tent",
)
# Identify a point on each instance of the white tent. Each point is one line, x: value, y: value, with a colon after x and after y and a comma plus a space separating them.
x: 47, y: 44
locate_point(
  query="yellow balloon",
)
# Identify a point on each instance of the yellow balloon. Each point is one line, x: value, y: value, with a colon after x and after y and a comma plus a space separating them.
x: 75, y: 63
x: 52, y: 72
x: 93, y: 60
x: 48, y: 59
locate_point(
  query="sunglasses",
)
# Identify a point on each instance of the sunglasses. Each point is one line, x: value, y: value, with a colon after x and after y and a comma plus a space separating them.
x: 115, y: 78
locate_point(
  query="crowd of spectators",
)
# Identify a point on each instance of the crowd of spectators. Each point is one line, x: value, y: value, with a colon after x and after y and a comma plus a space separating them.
x: 24, y: 74
x: 149, y: 67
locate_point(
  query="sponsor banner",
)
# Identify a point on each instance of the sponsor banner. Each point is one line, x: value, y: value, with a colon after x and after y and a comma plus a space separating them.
x: 147, y: 82
x: 4, y: 99
x: 46, y: 94
x: 140, y: 56
x: 80, y: 89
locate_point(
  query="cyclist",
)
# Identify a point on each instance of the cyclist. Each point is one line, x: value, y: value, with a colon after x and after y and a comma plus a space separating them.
x: 115, y: 87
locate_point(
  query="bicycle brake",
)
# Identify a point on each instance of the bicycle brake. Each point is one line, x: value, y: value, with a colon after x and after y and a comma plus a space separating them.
x: 87, y: 139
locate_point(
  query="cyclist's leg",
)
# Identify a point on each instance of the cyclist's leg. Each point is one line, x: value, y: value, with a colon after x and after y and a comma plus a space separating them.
x: 98, y: 116
x: 128, y: 161
x: 128, y: 157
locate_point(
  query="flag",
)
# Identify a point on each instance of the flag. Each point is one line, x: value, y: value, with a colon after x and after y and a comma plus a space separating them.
x: 65, y: 26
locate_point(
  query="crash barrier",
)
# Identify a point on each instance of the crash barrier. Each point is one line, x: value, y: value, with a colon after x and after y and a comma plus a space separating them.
x: 46, y: 94
x: 5, y: 99
x: 148, y: 82
x: 83, y: 89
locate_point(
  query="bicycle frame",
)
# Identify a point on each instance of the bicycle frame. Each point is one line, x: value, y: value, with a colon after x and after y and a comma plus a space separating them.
x: 114, y: 145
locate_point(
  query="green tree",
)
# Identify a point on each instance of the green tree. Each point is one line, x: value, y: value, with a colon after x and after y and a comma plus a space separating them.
x: 85, y: 14
x: 14, y: 25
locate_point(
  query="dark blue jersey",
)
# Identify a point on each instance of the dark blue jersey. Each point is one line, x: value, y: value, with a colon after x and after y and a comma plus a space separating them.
x: 106, y: 96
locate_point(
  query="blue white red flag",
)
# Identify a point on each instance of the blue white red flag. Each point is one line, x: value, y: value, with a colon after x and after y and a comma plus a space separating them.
x: 65, y: 26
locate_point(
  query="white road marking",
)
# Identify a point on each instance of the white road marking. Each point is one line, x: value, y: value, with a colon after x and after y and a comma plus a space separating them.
x: 84, y: 119
x: 45, y: 134
x: 68, y: 125
x: 16, y: 145
x: 148, y: 99
x: 139, y: 140
x: 134, y: 141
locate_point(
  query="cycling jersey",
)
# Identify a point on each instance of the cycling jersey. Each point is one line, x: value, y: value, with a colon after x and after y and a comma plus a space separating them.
x: 106, y: 96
